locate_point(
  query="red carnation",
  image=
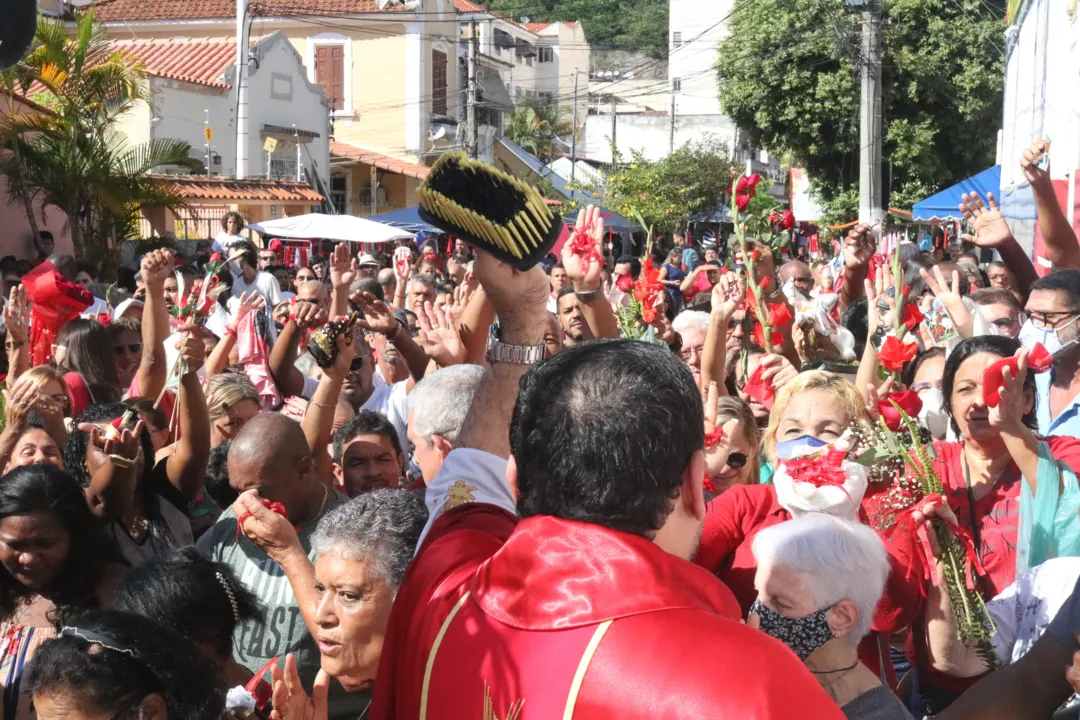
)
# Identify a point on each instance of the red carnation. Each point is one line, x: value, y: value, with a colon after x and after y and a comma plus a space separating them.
x: 742, y: 202
x: 894, y: 353
x: 787, y: 220
x: 780, y: 315
x: 909, y: 402
x: 216, y: 257
x: 912, y: 316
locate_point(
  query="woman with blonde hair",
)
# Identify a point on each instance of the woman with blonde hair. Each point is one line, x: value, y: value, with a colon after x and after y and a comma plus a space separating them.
x: 232, y: 400
x: 35, y: 408
x: 741, y: 466
x: 811, y: 412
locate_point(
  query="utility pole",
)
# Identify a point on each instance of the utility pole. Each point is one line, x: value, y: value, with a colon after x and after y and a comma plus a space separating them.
x: 299, y: 162
x: 471, y: 119
x: 671, y: 130
x: 241, y: 88
x: 573, y: 141
x: 870, y: 210
x: 614, y: 127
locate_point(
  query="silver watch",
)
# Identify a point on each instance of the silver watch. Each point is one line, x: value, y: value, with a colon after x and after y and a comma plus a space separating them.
x: 500, y: 352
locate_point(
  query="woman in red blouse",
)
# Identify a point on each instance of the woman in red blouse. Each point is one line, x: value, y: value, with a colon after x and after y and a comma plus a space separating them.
x: 816, y: 407
x: 982, y: 475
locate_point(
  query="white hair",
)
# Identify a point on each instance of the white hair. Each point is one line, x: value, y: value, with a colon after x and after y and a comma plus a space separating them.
x: 841, y: 560
x: 440, y: 402
x: 691, y: 319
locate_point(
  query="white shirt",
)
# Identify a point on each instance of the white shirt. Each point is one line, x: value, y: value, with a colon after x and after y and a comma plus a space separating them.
x: 553, y: 305
x: 265, y: 283
x: 223, y: 241
x: 392, y: 402
x: 94, y: 310
x: 1024, y: 609
x: 466, y: 476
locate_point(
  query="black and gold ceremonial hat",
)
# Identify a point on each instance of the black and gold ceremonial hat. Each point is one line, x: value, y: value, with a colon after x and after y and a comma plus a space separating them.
x: 489, y: 209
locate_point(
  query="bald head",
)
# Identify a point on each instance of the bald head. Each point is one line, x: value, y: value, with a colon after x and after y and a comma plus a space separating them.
x: 270, y: 439
x: 311, y: 290
x: 799, y: 272
x: 271, y: 455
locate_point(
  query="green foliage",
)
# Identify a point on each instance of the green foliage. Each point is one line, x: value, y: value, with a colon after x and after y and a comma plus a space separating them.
x: 635, y: 25
x: 789, y: 76
x: 535, y: 125
x: 693, y: 180
x: 72, y: 158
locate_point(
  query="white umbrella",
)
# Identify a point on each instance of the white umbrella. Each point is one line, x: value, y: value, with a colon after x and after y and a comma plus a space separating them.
x: 345, y: 228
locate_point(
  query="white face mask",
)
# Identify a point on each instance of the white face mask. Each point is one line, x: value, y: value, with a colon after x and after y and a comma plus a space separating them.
x: 1050, y: 339
x: 933, y: 414
x: 236, y: 268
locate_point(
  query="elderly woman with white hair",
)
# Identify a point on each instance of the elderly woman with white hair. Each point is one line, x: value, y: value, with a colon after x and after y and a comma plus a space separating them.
x: 363, y: 549
x: 819, y: 579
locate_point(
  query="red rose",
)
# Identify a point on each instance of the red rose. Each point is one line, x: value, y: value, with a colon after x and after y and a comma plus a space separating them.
x: 818, y: 471
x: 758, y: 389
x: 894, y: 353
x: 912, y: 316
x: 780, y: 315
x: 909, y: 402
x: 104, y: 319
x: 216, y: 257
x: 752, y: 181
x: 742, y: 186
x: 742, y: 202
x: 787, y: 220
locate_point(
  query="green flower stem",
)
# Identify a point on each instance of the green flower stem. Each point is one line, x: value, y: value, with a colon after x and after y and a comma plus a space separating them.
x: 760, y: 310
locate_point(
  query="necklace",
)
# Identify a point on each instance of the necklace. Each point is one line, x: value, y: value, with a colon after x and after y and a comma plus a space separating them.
x: 826, y: 672
x: 138, y: 530
x: 322, y: 505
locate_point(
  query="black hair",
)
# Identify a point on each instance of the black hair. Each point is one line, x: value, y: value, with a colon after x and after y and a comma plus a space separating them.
x: 250, y: 254
x: 854, y: 317
x: 87, y: 267
x: 129, y: 658
x: 968, y: 269
x: 46, y: 488
x: 145, y: 406
x: 1066, y: 281
x: 65, y: 265
x: 602, y: 433
x: 9, y: 262
x: 232, y: 214
x: 368, y: 285
x: 568, y: 290
x: 912, y: 368
x: 557, y: 264
x: 366, y: 422
x: 90, y: 353
x: 75, y: 452
x: 217, y: 477
x: 188, y: 271
x: 635, y: 265
x: 201, y: 599
x: 994, y: 344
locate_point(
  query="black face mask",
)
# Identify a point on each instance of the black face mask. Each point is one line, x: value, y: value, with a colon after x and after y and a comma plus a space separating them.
x: 803, y: 635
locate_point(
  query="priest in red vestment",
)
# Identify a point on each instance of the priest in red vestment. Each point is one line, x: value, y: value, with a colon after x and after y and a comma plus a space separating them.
x: 588, y: 607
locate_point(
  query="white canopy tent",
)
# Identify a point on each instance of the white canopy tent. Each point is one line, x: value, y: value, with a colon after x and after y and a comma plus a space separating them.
x: 344, y: 228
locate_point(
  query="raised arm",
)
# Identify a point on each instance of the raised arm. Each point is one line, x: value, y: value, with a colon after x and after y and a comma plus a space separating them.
x: 520, y: 299
x: 584, y: 274
x: 289, y: 380
x: 17, y: 322
x: 342, y: 272
x: 991, y: 231
x: 319, y: 419
x: 725, y: 300
x: 1008, y: 418
x: 378, y: 318
x: 476, y: 319
x: 153, y: 370
x: 112, y: 484
x: 1057, y: 233
x: 949, y: 295
x: 859, y: 246
x: 219, y: 358
x: 186, y: 467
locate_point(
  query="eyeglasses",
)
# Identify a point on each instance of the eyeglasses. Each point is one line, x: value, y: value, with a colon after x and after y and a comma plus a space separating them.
x: 134, y: 348
x: 688, y: 351
x: 357, y: 364
x: 923, y: 386
x: 1050, y: 320
x: 1003, y: 276
x: 737, y: 460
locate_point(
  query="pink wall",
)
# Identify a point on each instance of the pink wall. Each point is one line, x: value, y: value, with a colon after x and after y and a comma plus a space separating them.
x: 15, y: 235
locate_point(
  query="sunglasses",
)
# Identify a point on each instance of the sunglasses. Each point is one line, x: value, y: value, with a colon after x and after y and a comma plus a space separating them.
x: 134, y: 348
x: 357, y: 364
x: 737, y: 460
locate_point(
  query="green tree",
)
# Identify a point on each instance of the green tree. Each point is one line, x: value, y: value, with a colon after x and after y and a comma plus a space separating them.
x: 535, y: 126
x: 72, y: 157
x: 691, y: 181
x: 789, y: 77
x: 635, y: 25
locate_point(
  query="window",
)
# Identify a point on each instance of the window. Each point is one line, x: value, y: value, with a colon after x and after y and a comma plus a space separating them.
x: 676, y: 39
x: 438, y: 82
x: 330, y: 73
x: 545, y: 96
x: 547, y: 55
x: 676, y: 84
x: 339, y: 193
x: 517, y: 91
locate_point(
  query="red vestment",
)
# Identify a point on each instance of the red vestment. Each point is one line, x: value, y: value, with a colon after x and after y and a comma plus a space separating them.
x: 570, y: 619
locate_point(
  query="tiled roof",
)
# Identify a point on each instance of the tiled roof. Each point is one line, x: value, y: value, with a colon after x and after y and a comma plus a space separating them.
x: 193, y: 60
x: 536, y: 27
x: 467, y: 7
x: 383, y: 162
x: 200, y: 187
x: 115, y: 10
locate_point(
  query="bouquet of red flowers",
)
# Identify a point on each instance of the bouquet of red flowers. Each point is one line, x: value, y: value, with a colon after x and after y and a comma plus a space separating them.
x: 197, y: 301
x: 56, y: 301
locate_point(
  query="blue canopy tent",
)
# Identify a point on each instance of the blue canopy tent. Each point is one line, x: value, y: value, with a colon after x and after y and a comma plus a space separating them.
x: 612, y: 221
x: 945, y: 205
x: 407, y: 219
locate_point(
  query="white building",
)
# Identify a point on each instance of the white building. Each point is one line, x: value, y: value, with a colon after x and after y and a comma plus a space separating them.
x: 563, y: 56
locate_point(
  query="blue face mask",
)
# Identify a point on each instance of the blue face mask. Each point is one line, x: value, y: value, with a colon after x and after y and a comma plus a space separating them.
x: 797, y: 447
x: 1031, y: 334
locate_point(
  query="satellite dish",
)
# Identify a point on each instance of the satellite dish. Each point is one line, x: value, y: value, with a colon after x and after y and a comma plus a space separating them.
x: 17, y: 31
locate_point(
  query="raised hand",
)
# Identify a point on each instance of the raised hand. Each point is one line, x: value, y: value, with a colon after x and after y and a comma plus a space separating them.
x: 778, y: 370
x: 343, y: 269
x: 17, y: 314
x: 947, y: 292
x: 192, y: 350
x: 126, y: 443
x: 346, y: 351
x: 403, y: 266
x: 377, y: 315
x: 859, y: 246
x: 874, y: 395
x: 1032, y: 158
x: 584, y: 272
x: 440, y: 335
x: 1010, y: 411
x: 19, y: 401
x: 727, y: 295
x: 290, y: 700
x: 156, y: 267
x: 880, y: 306
x: 990, y: 228
x: 273, y: 533
x: 294, y: 408
x: 248, y: 302
x: 308, y: 315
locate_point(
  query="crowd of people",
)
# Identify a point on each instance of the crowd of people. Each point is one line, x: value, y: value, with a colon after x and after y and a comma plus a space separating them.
x: 420, y: 483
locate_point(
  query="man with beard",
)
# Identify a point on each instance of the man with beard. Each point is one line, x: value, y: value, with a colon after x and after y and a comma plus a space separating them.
x: 572, y: 319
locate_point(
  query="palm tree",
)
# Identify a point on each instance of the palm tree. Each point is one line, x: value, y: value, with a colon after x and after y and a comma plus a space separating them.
x: 72, y: 157
x: 535, y: 126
